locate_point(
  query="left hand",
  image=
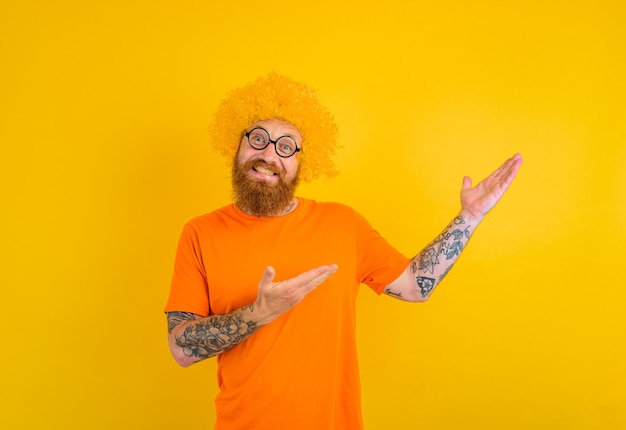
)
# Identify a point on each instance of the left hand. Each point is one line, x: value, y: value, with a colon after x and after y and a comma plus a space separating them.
x: 479, y: 200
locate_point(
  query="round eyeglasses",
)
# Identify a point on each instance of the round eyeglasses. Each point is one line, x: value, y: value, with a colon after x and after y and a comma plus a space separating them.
x: 259, y: 138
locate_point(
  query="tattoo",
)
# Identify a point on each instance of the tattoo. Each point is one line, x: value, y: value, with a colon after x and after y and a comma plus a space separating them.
x: 289, y: 209
x: 426, y: 285
x: 211, y: 336
x: 175, y: 318
x: 426, y: 260
x: 448, y: 243
x: 392, y: 293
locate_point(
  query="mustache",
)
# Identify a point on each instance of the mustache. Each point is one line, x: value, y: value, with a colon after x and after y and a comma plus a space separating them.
x: 258, y: 197
x: 252, y: 164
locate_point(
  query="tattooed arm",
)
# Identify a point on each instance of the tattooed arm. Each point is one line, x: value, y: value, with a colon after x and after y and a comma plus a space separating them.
x: 428, y: 268
x: 193, y: 338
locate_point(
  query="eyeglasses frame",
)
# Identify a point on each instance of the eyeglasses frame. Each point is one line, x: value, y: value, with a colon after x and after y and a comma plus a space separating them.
x: 269, y: 140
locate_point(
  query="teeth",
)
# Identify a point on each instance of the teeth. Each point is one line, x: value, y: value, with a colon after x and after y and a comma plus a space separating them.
x: 264, y: 171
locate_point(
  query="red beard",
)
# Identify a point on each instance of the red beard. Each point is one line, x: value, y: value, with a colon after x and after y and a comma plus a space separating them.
x: 259, y: 198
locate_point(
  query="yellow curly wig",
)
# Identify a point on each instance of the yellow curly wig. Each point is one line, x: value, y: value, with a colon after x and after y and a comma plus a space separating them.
x: 277, y: 96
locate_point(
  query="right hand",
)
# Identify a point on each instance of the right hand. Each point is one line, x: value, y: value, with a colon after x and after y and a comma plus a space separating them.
x: 276, y: 298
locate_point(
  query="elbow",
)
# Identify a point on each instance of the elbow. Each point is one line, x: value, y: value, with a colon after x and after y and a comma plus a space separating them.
x: 179, y: 357
x: 178, y: 353
x: 183, y: 361
x: 419, y: 298
x: 418, y: 295
x: 184, y: 356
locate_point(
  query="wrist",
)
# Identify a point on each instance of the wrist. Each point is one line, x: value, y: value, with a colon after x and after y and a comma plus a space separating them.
x: 470, y: 218
x: 255, y: 313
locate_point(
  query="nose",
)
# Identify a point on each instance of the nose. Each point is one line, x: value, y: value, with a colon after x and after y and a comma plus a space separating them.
x: 269, y: 152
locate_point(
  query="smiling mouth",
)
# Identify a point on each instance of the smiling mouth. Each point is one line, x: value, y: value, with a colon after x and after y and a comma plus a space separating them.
x: 264, y: 171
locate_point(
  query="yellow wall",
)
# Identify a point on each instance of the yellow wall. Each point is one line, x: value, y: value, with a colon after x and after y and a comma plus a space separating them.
x: 104, y: 108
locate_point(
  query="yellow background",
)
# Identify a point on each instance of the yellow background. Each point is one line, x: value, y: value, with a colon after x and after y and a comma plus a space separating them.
x: 104, y: 155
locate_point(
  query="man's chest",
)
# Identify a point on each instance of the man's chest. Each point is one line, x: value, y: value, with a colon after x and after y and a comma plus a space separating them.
x: 235, y: 260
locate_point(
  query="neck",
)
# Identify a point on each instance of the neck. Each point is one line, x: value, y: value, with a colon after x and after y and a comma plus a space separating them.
x: 293, y: 204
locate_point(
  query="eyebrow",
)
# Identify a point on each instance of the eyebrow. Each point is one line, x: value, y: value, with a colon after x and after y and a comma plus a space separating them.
x: 282, y: 135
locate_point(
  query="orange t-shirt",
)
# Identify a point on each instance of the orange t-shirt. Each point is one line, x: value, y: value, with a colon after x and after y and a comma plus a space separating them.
x: 300, y: 371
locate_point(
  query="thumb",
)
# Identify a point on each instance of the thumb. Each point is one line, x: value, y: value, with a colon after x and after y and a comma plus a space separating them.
x: 268, y: 275
x: 467, y: 183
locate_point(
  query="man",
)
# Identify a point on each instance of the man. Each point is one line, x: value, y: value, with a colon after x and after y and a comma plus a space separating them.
x: 268, y: 284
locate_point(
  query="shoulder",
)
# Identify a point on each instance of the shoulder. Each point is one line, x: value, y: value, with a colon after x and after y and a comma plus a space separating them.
x: 217, y: 217
x: 332, y: 212
x: 328, y: 207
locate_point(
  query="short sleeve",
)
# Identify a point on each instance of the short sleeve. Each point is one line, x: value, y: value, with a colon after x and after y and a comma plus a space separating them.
x: 378, y: 262
x: 189, y: 290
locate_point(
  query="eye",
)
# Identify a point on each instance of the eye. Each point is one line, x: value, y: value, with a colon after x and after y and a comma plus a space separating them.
x: 286, y: 145
x: 258, y: 138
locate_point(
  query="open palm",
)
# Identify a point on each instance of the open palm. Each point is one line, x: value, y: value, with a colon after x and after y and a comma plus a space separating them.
x: 479, y: 200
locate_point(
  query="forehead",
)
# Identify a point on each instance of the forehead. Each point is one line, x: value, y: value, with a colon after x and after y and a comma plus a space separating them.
x: 278, y: 127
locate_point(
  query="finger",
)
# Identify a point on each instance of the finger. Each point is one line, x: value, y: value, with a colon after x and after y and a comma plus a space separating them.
x: 514, y: 164
x: 517, y: 162
x: 467, y: 183
x: 320, y: 274
x: 311, y: 279
x: 503, y: 172
x: 514, y: 161
x: 268, y: 276
x: 497, y: 174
